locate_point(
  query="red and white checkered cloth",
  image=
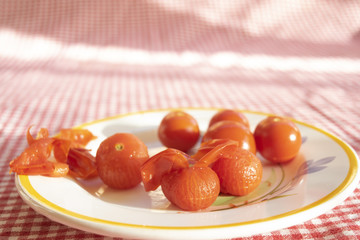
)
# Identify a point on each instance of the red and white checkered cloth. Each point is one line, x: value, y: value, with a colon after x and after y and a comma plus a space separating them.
x: 63, y: 63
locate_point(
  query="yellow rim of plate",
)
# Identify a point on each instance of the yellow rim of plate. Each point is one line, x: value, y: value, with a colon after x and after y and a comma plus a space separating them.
x: 350, y: 177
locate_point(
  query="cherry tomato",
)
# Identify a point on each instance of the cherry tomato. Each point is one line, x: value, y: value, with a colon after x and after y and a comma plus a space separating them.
x: 277, y: 139
x: 234, y: 131
x: 239, y: 172
x: 191, y: 188
x: 119, y: 158
x: 230, y: 115
x: 179, y: 130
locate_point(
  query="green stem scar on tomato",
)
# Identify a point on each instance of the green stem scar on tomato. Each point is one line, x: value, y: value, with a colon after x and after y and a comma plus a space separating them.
x: 119, y: 146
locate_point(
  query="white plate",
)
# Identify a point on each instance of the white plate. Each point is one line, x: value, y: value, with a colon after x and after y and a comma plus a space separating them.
x: 325, y: 172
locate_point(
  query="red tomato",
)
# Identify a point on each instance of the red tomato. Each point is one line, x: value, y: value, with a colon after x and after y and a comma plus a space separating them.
x: 230, y: 115
x: 119, y: 158
x: 179, y: 130
x: 233, y: 131
x: 278, y: 139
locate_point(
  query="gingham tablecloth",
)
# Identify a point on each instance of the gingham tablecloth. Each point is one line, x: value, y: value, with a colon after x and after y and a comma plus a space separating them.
x: 63, y: 63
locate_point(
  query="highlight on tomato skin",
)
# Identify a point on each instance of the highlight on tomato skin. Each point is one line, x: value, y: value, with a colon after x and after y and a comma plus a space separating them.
x: 278, y: 139
x: 229, y: 115
x: 178, y: 130
x: 118, y: 160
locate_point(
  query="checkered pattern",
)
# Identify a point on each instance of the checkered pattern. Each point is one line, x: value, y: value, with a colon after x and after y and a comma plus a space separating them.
x: 63, y: 63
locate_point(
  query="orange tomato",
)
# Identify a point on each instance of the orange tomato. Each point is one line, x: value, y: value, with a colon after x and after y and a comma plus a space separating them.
x: 191, y: 188
x: 119, y: 158
x: 233, y: 131
x: 278, y: 139
x: 179, y: 130
x: 229, y: 115
x: 239, y: 172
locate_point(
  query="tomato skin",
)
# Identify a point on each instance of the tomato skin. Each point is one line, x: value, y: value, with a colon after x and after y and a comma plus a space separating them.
x: 278, y: 139
x: 179, y: 130
x: 36, y: 159
x: 81, y: 163
x: 233, y: 131
x: 229, y: 115
x: 191, y: 188
x: 160, y: 164
x: 119, y: 158
x: 78, y: 137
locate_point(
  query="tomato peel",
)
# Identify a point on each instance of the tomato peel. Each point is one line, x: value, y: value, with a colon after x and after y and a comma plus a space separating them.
x: 81, y: 163
x: 36, y: 159
x: 160, y: 164
x: 215, y: 150
x: 78, y: 137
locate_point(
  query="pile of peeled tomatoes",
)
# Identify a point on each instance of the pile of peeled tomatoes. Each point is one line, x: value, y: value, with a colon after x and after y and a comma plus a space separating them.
x: 225, y: 162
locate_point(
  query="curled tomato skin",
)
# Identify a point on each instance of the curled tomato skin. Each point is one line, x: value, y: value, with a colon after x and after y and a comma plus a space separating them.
x: 191, y: 188
x: 60, y: 170
x: 229, y: 115
x: 119, y: 158
x: 179, y: 130
x: 78, y: 137
x: 160, y: 164
x: 81, y: 163
x: 61, y: 149
x: 233, y: 131
x: 43, y: 133
x: 37, y: 158
x: 278, y: 139
x: 34, y: 159
x: 206, y: 147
